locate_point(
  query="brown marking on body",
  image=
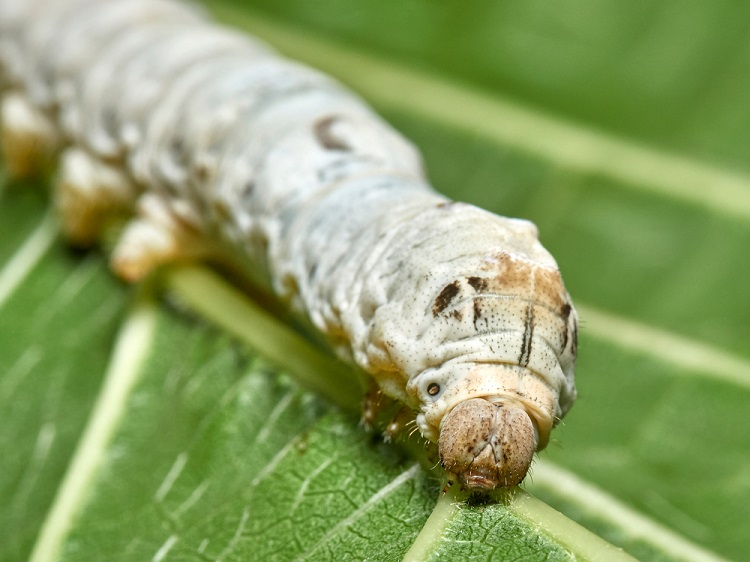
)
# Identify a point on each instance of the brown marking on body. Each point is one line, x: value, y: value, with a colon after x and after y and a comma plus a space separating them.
x: 445, y: 297
x: 446, y: 204
x: 478, y: 283
x: 564, y: 343
x: 509, y: 275
x: 528, y: 332
x: 323, y: 130
x: 512, y: 276
x: 549, y: 289
x: 565, y: 315
x: 528, y: 336
x: 565, y: 312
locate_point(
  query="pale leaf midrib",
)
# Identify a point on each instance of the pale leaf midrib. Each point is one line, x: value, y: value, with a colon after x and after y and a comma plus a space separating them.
x: 606, y: 507
x: 569, y: 535
x: 28, y: 255
x: 693, y: 357
x: 430, y: 537
x: 393, y: 86
x: 131, y: 348
x: 582, y: 543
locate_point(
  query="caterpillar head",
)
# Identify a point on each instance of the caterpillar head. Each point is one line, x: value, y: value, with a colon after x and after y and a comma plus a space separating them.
x: 487, y: 445
x: 488, y: 421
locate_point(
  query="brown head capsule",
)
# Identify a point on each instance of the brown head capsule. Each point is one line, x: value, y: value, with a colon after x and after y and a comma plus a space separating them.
x: 487, y: 445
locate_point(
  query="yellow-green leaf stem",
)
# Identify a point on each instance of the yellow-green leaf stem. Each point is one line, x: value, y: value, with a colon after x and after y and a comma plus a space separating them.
x: 580, y: 541
x: 228, y: 308
x: 445, y: 511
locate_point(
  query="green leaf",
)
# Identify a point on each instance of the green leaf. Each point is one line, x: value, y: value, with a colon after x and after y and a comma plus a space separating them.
x: 193, y: 446
x: 135, y: 430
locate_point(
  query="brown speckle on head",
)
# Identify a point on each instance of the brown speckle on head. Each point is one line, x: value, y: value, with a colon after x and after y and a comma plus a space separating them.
x: 486, y: 445
x: 445, y: 297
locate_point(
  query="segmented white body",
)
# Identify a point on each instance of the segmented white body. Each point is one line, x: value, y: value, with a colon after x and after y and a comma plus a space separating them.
x: 214, y: 133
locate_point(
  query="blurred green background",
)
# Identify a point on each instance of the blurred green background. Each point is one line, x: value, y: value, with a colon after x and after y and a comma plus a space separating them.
x: 674, y: 74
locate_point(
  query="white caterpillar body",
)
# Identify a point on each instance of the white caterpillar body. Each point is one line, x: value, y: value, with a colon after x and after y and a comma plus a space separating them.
x: 221, y: 148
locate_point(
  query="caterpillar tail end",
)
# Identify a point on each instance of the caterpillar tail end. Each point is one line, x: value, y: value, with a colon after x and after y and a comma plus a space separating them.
x: 487, y: 445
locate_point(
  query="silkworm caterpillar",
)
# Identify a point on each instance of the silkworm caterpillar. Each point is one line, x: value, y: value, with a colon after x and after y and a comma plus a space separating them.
x: 218, y: 148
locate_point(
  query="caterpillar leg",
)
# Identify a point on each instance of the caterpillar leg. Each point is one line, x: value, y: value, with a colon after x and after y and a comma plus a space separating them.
x: 373, y: 404
x: 87, y: 193
x: 157, y: 236
x: 398, y: 423
x: 28, y: 138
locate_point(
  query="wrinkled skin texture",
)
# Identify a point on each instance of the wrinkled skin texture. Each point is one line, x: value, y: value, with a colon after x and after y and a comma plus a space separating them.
x: 486, y: 445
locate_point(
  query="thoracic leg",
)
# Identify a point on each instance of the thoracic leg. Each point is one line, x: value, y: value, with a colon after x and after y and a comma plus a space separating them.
x: 28, y: 139
x: 400, y: 421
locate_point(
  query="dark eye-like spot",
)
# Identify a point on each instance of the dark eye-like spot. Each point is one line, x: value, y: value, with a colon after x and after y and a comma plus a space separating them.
x: 433, y: 389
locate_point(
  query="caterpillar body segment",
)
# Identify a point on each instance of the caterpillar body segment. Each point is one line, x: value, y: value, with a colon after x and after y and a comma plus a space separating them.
x: 218, y: 148
x: 88, y: 191
x: 29, y: 138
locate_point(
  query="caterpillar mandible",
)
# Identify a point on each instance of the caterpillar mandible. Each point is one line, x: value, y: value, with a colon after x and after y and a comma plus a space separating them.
x: 219, y: 148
